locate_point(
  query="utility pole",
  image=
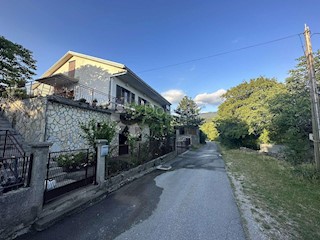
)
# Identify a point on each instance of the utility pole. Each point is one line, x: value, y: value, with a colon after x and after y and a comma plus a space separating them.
x: 314, y: 97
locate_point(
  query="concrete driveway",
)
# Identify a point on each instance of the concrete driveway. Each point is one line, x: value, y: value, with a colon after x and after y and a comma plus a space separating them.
x: 193, y: 200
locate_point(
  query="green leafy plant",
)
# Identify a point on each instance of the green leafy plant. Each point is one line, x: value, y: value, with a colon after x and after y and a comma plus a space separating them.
x: 158, y: 121
x: 102, y: 130
x: 74, y: 161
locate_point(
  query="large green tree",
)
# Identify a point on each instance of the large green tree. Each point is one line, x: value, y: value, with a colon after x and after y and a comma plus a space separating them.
x: 16, y: 63
x: 188, y: 113
x: 245, y: 115
x: 210, y: 130
x: 291, y: 111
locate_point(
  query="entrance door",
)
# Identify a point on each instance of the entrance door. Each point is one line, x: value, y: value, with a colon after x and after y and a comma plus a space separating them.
x: 123, y: 143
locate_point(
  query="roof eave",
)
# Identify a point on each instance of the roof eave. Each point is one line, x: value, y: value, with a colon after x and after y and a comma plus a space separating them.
x: 128, y: 71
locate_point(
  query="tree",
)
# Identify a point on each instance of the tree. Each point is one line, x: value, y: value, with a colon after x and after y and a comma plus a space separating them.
x: 188, y: 113
x: 291, y: 111
x: 16, y: 63
x: 246, y: 111
x: 210, y: 130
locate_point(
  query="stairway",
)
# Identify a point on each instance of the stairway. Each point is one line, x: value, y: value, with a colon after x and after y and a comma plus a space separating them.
x: 11, y: 146
x: 56, y: 173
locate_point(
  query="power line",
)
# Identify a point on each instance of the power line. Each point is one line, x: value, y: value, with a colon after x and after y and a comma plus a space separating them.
x: 302, y: 46
x: 222, y: 53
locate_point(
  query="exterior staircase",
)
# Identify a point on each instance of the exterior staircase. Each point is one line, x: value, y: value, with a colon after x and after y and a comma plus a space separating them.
x: 16, y: 141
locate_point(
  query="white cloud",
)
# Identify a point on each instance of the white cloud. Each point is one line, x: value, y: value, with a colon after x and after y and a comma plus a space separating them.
x: 214, y: 98
x: 173, y: 95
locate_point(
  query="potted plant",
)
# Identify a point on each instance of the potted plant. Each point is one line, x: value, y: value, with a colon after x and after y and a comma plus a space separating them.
x: 94, y: 103
x: 83, y: 102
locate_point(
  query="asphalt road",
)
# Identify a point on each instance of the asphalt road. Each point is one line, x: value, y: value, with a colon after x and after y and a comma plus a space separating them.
x: 193, y: 200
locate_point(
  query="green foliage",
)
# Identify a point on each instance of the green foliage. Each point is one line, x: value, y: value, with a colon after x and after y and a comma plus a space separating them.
x: 202, y: 137
x: 306, y: 171
x: 234, y: 133
x: 74, y: 161
x: 102, y: 130
x: 264, y: 137
x: 244, y: 116
x: 291, y: 112
x: 210, y: 130
x: 16, y: 63
x: 158, y: 121
x: 188, y: 113
x: 285, y: 192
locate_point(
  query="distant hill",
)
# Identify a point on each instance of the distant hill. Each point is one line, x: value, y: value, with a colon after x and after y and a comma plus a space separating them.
x: 208, y: 116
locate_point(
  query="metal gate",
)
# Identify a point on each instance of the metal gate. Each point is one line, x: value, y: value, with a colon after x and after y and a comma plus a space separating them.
x: 67, y: 171
x: 183, y: 146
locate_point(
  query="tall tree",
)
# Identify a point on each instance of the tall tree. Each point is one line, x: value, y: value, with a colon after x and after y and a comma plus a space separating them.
x: 188, y: 113
x: 246, y: 107
x: 16, y: 63
x: 210, y: 130
x: 291, y: 123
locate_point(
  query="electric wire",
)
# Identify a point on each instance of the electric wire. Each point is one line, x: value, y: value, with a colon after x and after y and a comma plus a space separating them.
x: 302, y: 46
x: 222, y: 53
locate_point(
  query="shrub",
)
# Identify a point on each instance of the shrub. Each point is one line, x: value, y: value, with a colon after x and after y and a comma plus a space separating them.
x: 102, y: 130
x: 306, y: 171
x: 74, y: 161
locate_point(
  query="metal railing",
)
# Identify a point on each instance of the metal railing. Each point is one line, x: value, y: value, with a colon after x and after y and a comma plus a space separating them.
x: 138, y: 153
x: 68, y: 170
x: 183, y: 145
x: 9, y: 145
x: 15, y: 172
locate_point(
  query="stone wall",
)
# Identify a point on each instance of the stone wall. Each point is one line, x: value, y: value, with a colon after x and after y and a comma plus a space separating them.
x: 272, y: 148
x: 63, y: 125
x: 28, y: 118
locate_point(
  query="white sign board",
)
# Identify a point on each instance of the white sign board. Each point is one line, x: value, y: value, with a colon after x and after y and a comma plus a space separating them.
x: 104, y: 150
x: 311, y: 136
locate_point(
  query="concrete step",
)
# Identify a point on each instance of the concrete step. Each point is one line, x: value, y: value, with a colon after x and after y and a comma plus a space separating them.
x: 64, y: 182
x: 59, y: 177
x: 54, y: 171
x: 53, y: 164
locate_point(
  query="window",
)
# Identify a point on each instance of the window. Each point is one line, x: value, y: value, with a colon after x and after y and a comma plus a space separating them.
x: 72, y: 68
x: 124, y: 96
x: 142, y: 101
x: 166, y: 108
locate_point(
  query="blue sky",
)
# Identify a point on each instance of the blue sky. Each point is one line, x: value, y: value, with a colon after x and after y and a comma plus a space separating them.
x: 146, y: 35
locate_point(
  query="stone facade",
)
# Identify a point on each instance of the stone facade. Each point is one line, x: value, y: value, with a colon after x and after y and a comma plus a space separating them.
x: 28, y: 118
x: 63, y: 125
x: 58, y: 121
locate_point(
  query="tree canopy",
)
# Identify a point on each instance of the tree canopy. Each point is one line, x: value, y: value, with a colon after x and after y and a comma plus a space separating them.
x: 291, y: 112
x: 16, y: 63
x: 210, y: 130
x: 244, y: 115
x: 188, y: 113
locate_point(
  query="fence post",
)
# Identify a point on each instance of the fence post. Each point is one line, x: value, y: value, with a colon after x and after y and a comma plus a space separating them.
x: 101, y: 162
x: 176, y: 142
x: 40, y: 153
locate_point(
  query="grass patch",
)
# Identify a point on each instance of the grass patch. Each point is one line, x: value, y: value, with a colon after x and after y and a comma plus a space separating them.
x: 279, y: 189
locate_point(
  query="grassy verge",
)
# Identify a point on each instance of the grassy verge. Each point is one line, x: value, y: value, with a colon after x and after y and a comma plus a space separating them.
x: 273, y: 187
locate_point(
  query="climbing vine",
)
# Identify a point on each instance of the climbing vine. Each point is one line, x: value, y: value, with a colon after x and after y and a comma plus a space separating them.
x: 157, y: 119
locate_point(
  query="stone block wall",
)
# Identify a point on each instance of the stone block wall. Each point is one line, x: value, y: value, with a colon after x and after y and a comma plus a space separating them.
x: 46, y: 119
x: 63, y: 125
x: 28, y: 118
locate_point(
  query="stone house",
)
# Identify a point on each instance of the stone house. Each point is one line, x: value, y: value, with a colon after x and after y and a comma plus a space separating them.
x: 76, y: 89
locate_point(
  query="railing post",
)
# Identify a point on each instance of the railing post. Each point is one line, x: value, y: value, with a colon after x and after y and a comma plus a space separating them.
x: 38, y: 175
x: 5, y: 143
